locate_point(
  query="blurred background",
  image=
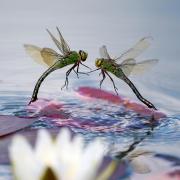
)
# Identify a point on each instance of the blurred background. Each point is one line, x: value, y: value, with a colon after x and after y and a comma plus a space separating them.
x: 87, y: 25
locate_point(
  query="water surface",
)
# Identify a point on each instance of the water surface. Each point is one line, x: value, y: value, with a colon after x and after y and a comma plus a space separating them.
x: 87, y: 26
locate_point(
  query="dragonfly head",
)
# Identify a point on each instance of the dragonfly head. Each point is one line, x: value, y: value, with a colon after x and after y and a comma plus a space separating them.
x: 98, y: 62
x: 83, y: 55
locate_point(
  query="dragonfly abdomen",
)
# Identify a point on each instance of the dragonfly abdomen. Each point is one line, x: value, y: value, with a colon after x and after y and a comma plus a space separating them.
x: 137, y: 93
x: 118, y: 72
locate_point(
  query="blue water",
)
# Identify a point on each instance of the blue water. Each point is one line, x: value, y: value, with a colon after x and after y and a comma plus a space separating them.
x: 118, y: 127
x: 87, y: 26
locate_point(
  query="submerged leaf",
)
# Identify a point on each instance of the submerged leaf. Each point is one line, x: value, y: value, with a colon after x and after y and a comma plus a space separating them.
x: 10, y: 124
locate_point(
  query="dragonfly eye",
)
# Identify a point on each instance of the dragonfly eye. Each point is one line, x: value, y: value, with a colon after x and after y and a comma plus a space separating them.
x: 83, y: 55
x: 98, y: 62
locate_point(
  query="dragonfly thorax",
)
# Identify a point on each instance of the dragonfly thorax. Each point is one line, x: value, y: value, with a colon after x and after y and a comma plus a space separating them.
x: 73, y: 57
x: 104, y: 64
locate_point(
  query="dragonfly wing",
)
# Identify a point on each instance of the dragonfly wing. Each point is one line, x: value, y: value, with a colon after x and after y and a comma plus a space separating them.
x: 64, y: 44
x: 45, y: 56
x: 143, y: 66
x: 136, y: 50
x: 35, y: 53
x: 139, y: 152
x: 139, y: 166
x: 104, y: 53
x: 61, y: 45
x: 58, y: 44
x: 50, y: 56
x: 127, y: 66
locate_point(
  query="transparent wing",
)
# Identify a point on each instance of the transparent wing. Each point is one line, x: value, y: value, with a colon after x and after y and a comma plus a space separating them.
x: 129, y: 67
x: 143, y: 66
x: 50, y: 56
x: 139, y: 152
x: 136, y: 50
x: 104, y: 53
x: 139, y: 166
x: 35, y: 53
x: 61, y: 45
x: 65, y: 46
x: 136, y: 162
x: 45, y: 56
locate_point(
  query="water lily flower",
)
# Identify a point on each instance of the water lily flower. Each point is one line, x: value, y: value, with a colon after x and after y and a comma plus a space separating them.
x: 60, y: 158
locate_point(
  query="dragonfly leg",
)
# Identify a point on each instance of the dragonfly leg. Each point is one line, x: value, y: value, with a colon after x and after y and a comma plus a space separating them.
x: 67, y: 74
x: 85, y: 65
x: 104, y: 77
x: 77, y: 70
x: 76, y: 73
x: 66, y: 81
x: 115, y: 88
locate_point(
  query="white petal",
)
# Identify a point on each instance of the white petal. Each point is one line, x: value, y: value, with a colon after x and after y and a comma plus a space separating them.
x: 78, y: 146
x: 67, y: 158
x: 65, y: 153
x: 91, y: 160
x: 45, y: 147
x: 76, y: 155
x: 63, y: 143
x: 64, y: 137
x: 25, y: 165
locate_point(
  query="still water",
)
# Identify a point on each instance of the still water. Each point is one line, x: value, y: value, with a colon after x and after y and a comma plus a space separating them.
x: 119, y: 26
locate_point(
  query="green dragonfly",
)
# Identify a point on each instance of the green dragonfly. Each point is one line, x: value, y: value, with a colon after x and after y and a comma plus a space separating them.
x: 54, y: 60
x: 125, y: 65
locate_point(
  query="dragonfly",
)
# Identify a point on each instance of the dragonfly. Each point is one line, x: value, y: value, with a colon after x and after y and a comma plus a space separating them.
x: 126, y: 65
x: 54, y: 60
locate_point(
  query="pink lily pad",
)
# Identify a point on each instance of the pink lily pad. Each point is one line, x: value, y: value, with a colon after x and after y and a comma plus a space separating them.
x: 94, y: 93
x: 10, y: 124
x: 48, y: 108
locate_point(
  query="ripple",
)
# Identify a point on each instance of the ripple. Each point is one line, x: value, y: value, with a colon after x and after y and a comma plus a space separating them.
x: 117, y: 126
